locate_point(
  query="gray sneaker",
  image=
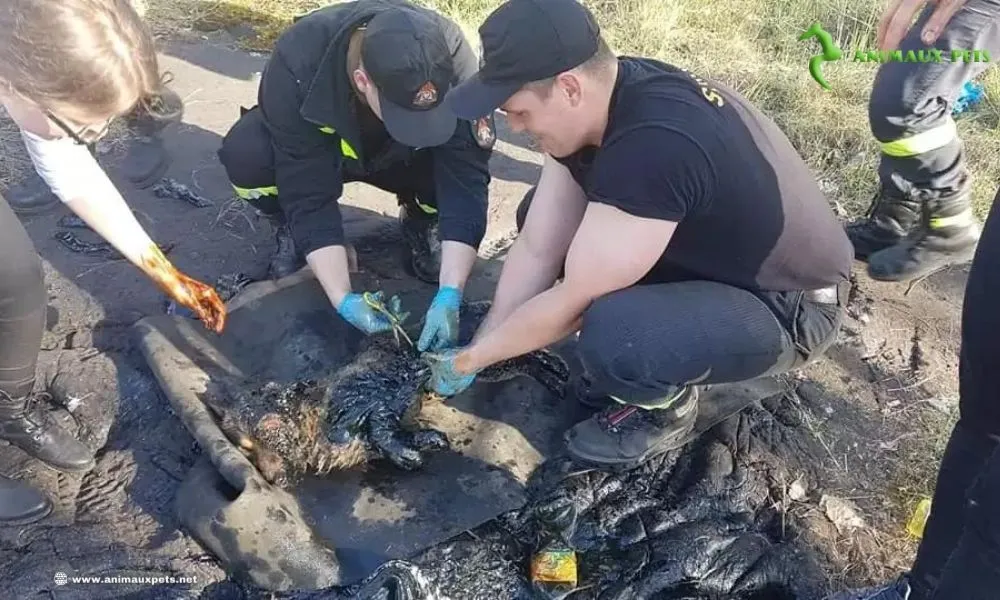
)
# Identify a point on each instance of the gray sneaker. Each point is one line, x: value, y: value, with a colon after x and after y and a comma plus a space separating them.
x: 624, y: 436
x: 897, y: 590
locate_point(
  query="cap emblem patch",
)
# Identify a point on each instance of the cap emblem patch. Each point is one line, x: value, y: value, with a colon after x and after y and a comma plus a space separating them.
x: 426, y: 96
x: 485, y: 136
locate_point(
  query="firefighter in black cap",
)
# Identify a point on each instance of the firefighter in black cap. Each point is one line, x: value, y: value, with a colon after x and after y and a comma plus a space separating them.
x: 353, y: 92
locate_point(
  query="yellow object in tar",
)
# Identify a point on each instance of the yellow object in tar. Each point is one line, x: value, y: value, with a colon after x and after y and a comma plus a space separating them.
x: 915, y: 526
x: 554, y: 566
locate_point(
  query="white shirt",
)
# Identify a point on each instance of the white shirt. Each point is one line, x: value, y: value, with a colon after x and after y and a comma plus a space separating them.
x: 69, y: 169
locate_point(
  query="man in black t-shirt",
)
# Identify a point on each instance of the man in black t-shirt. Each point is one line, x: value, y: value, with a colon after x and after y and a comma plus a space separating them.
x: 690, y: 242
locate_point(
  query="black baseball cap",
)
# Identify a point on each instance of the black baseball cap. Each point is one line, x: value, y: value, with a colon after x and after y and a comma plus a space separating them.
x: 525, y: 41
x: 406, y: 54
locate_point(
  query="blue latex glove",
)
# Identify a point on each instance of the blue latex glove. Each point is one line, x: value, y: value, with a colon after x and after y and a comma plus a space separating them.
x: 441, y: 324
x: 357, y: 312
x: 444, y: 380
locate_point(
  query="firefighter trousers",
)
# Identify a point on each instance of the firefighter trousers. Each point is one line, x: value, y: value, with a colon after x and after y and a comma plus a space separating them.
x: 910, y: 106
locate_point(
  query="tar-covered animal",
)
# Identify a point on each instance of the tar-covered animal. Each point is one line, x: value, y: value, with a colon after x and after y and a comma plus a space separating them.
x: 366, y: 410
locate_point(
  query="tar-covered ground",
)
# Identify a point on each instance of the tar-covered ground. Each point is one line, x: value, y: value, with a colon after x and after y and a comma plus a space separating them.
x: 808, y: 492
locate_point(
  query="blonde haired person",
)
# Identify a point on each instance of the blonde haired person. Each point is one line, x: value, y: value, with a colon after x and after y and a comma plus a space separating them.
x: 68, y: 68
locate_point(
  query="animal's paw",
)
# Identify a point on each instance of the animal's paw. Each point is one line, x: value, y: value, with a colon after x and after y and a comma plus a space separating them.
x: 430, y: 440
x: 403, y: 448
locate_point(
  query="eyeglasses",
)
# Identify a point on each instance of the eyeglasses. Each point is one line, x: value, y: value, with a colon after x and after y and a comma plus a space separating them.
x: 86, y: 136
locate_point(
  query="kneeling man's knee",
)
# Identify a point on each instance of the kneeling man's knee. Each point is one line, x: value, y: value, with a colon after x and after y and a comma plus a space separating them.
x: 603, y: 347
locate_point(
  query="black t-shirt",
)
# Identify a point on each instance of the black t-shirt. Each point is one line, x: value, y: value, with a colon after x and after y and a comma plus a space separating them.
x: 749, y: 211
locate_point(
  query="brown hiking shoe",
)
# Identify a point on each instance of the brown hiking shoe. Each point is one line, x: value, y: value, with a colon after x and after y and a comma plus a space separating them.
x: 624, y: 436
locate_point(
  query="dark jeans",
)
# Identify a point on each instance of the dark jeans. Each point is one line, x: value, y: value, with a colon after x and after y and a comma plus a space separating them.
x: 911, y: 98
x: 641, y: 342
x: 22, y: 305
x: 247, y: 156
x: 959, y: 555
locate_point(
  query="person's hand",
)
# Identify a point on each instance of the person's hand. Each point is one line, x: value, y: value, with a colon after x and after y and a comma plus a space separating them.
x: 198, y: 297
x: 445, y: 380
x: 356, y: 311
x: 896, y: 21
x: 441, y: 324
x: 202, y: 300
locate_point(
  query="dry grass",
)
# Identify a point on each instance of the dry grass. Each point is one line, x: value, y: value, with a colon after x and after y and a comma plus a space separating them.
x: 757, y: 52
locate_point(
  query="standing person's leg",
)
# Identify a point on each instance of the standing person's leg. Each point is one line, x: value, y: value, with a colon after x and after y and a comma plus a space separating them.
x: 649, y: 347
x: 22, y: 322
x: 977, y: 433
x: 921, y: 219
x: 975, y: 437
x: 973, y: 571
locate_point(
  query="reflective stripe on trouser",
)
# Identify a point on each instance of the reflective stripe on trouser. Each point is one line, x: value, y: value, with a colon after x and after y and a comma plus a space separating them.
x: 425, y: 207
x: 910, y: 106
x: 255, y: 193
x: 925, y: 141
x: 272, y: 191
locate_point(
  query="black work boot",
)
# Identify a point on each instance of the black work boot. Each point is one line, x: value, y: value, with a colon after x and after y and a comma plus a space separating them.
x: 624, y: 436
x: 947, y: 234
x: 21, y: 504
x: 29, y: 426
x: 422, y: 255
x: 286, y: 259
x: 888, y: 221
x: 31, y: 195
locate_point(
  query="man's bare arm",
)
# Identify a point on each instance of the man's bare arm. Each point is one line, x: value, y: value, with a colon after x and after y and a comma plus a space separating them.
x: 457, y: 260
x: 611, y: 251
x: 540, y: 250
x: 331, y: 267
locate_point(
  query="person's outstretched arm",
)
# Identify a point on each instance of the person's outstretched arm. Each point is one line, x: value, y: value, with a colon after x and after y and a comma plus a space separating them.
x: 540, y: 250
x: 75, y: 177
